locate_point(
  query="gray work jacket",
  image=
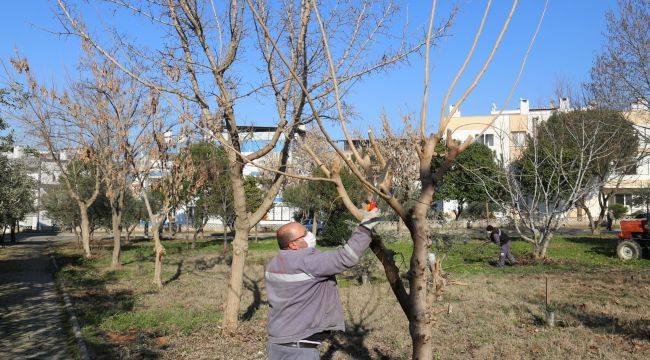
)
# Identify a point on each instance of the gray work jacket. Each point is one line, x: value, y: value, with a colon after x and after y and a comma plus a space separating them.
x: 301, y: 289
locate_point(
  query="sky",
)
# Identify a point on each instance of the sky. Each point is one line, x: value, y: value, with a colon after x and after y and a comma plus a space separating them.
x: 570, y: 37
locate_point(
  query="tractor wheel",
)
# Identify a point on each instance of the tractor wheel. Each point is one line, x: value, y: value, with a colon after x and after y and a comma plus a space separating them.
x: 628, y: 250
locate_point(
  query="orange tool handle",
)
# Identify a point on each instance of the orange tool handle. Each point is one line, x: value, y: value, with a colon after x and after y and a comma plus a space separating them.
x: 372, y: 205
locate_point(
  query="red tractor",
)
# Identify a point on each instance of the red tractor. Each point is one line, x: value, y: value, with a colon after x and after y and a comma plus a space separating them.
x: 634, y: 233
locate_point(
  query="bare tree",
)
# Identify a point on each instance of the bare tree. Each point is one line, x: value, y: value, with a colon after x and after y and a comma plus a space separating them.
x: 198, y: 65
x: 567, y: 160
x: 376, y: 173
x: 159, y: 169
x: 60, y: 124
x: 621, y: 74
x: 118, y: 125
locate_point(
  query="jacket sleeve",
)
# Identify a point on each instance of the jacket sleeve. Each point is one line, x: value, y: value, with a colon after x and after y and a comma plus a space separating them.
x: 496, y: 238
x: 332, y: 262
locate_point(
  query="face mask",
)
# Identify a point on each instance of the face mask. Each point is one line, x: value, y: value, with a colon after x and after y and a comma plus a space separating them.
x: 488, y: 233
x: 310, y: 239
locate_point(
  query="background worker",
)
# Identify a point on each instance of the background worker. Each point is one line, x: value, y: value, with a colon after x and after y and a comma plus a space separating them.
x: 502, y: 239
x: 304, y: 304
x: 610, y: 219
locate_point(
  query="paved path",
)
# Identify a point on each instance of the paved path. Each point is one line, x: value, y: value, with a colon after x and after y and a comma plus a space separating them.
x: 31, y: 310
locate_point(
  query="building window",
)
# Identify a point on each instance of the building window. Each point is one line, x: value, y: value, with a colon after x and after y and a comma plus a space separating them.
x: 624, y: 199
x: 485, y: 139
x: 518, y: 138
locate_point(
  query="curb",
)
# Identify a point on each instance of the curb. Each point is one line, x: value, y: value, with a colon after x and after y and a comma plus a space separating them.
x: 76, y: 329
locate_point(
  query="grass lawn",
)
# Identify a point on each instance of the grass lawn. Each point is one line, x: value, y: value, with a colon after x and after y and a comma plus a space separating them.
x: 123, y: 315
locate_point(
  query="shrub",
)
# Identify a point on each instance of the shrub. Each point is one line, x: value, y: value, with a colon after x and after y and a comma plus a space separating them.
x: 338, y: 228
x: 619, y: 210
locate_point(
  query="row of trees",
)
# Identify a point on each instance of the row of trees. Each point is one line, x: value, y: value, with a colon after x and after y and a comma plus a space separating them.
x: 17, y: 188
x: 306, y: 57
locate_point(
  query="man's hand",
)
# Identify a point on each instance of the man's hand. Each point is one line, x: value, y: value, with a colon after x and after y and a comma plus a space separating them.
x: 371, y: 218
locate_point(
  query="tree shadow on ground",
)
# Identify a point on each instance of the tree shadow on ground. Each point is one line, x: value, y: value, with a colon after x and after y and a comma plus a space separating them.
x: 604, y: 323
x: 604, y: 246
x: 94, y: 302
x: 253, y: 285
x: 352, y: 341
x: 177, y: 274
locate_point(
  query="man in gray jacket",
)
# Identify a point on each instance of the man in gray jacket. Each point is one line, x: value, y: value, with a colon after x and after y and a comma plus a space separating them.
x: 304, y: 302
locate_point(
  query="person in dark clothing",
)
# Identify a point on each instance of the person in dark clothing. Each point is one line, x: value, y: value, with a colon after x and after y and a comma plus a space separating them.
x: 304, y: 304
x: 610, y: 219
x: 502, y: 239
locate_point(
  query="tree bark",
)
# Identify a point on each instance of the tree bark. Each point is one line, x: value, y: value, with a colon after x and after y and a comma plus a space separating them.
x: 233, y: 299
x: 540, y: 248
x: 159, y: 252
x: 12, y: 235
x: 225, y: 237
x: 129, y: 232
x: 116, y: 218
x: 420, y: 317
x: 85, y: 230
x: 2, y: 236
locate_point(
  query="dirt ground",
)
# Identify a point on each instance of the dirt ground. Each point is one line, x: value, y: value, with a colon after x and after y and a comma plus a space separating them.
x: 599, y: 316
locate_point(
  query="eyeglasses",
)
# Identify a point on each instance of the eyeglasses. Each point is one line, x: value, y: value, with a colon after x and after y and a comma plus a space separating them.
x: 298, y: 238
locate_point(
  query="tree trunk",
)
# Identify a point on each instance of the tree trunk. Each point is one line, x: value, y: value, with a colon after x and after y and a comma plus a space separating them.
x: 539, y: 248
x: 595, y: 230
x: 314, y: 225
x: 116, y: 218
x: 225, y: 238
x: 2, y: 236
x: 159, y: 251
x: 12, y: 235
x: 76, y: 233
x: 420, y: 316
x: 239, y: 253
x: 196, y: 234
x: 85, y: 230
x: 129, y: 232
x: 459, y: 210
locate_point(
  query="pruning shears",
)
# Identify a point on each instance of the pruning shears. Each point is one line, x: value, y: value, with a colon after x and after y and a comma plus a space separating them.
x: 372, y: 204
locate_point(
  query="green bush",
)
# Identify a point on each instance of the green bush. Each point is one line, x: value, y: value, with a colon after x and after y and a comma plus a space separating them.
x: 619, y: 210
x: 338, y: 228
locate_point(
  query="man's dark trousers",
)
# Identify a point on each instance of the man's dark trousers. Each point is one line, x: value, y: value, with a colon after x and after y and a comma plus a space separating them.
x: 505, y: 253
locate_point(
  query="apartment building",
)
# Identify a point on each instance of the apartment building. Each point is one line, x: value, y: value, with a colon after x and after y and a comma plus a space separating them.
x: 505, y: 133
x: 639, y: 178
x: 45, y: 173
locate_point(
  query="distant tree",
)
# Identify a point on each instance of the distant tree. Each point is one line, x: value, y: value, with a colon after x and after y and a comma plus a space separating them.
x: 215, y: 196
x: 116, y: 116
x: 619, y: 76
x: 622, y: 138
x: 163, y: 194
x: 319, y: 200
x: 559, y: 167
x: 133, y: 214
x: 642, y: 198
x: 16, y: 194
x: 60, y: 207
x: 462, y: 183
x: 619, y: 210
x: 211, y: 162
x: 58, y: 121
x: 63, y: 209
x: 6, y: 102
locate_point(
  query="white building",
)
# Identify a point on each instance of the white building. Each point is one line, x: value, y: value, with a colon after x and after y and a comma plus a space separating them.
x: 45, y: 172
x: 505, y: 133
